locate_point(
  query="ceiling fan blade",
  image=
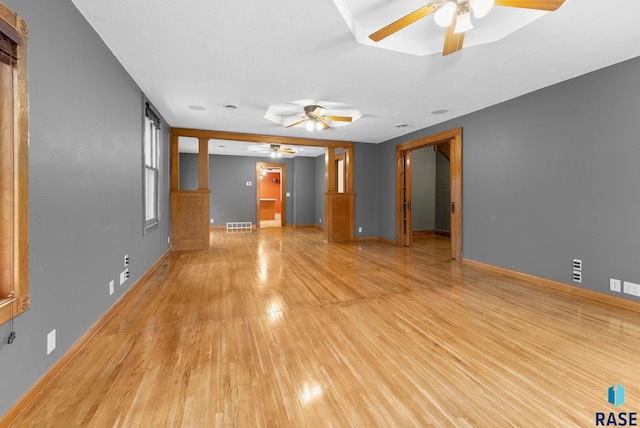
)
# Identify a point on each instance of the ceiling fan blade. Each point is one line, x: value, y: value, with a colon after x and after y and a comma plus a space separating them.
x: 403, y: 22
x: 295, y: 123
x: 338, y: 118
x: 324, y: 125
x: 318, y: 112
x: 550, y: 5
x: 288, y: 151
x: 452, y: 41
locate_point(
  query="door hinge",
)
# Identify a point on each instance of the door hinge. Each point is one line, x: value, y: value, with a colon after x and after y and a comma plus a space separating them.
x: 453, y: 207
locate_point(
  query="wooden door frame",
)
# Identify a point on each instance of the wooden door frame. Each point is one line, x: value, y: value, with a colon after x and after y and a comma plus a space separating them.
x: 403, y: 163
x: 283, y: 190
x: 330, y: 193
x: 454, y: 138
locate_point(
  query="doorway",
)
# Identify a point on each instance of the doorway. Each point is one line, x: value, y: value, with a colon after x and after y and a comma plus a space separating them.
x: 451, y: 141
x: 271, y: 201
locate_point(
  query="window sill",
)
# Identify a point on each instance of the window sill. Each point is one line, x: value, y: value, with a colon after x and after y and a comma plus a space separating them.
x: 151, y: 226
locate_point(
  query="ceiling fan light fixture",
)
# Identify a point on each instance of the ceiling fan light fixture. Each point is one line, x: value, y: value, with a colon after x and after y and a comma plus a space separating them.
x: 309, y: 126
x: 463, y: 23
x: 444, y: 14
x: 481, y: 7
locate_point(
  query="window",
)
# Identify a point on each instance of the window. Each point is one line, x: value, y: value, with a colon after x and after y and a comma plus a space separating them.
x: 151, y: 144
x: 14, y: 214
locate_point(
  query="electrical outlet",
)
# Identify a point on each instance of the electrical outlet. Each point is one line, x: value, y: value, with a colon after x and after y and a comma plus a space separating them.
x: 126, y: 260
x: 211, y: 221
x: 111, y: 287
x: 248, y: 184
x: 126, y: 274
x: 51, y: 341
x: 320, y: 220
x: 631, y: 288
x: 614, y: 285
x: 122, y: 277
x: 577, y: 276
x: 577, y: 264
x: 168, y: 240
x: 360, y: 229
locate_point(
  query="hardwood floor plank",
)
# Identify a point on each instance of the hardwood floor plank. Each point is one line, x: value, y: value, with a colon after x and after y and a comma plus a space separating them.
x: 279, y: 328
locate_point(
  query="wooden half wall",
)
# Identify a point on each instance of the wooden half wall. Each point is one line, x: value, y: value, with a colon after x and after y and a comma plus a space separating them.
x: 190, y: 208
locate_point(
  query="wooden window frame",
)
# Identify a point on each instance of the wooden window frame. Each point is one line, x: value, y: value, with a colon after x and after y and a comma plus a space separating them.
x: 16, y: 211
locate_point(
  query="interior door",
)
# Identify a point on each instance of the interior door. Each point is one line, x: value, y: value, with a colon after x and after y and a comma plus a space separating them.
x: 406, y: 198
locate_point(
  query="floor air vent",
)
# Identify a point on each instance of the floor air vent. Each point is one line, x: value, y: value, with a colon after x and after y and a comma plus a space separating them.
x: 239, y: 226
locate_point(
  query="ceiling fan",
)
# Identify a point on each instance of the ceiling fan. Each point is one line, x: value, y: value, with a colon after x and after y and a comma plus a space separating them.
x: 274, y: 150
x: 455, y: 15
x: 315, y: 118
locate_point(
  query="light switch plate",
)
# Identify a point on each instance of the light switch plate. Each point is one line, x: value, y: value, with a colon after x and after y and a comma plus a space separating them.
x: 51, y: 341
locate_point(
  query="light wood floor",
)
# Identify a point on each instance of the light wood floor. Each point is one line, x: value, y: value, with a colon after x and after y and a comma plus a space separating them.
x: 276, y: 222
x: 278, y: 328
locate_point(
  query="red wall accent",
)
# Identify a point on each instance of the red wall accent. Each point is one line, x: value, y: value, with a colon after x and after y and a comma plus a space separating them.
x: 271, y: 190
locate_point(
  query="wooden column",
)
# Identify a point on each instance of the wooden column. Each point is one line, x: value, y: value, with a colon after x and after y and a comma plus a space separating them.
x: 338, y: 207
x: 190, y: 208
x: 203, y: 163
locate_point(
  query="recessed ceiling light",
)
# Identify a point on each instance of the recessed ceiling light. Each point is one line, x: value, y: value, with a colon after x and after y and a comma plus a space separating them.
x: 402, y: 125
x: 439, y: 111
x: 231, y: 106
x: 195, y: 107
x: 222, y: 146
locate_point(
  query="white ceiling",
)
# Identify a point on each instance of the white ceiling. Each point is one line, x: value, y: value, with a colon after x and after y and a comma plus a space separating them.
x: 256, y: 53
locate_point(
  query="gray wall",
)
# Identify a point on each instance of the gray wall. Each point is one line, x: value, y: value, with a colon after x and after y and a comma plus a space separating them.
x: 548, y: 177
x: 443, y: 192
x: 366, y: 183
x: 423, y: 189
x: 189, y: 179
x: 233, y: 200
x: 304, y: 186
x: 319, y: 191
x: 85, y: 189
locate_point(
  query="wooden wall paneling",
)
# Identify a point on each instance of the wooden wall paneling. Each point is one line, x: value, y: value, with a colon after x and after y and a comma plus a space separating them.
x: 189, y: 219
x: 174, y: 159
x: 339, y: 210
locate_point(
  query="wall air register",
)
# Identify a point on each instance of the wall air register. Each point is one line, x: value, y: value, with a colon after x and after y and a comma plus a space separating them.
x: 239, y: 226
